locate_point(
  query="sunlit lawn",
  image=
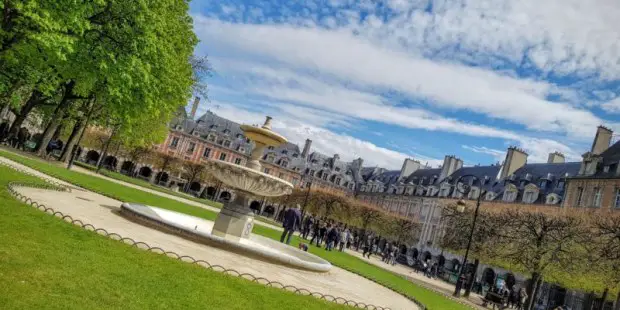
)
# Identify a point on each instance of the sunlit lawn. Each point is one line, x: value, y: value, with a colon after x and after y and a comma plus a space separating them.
x: 398, y: 283
x: 46, y: 263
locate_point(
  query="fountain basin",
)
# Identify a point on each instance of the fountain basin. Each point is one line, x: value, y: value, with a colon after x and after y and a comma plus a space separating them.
x: 248, y: 180
x: 199, y: 230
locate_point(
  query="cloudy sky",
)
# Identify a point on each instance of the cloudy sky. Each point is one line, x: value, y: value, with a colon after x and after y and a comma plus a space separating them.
x: 386, y: 80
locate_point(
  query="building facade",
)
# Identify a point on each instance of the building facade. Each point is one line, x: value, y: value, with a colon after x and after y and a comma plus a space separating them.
x: 597, y: 184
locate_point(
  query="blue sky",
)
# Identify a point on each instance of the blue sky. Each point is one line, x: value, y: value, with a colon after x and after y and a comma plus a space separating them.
x: 422, y: 79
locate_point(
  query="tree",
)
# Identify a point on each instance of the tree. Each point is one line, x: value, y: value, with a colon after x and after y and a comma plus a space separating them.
x: 605, y: 250
x: 400, y: 229
x: 166, y: 163
x: 193, y: 172
x: 534, y: 242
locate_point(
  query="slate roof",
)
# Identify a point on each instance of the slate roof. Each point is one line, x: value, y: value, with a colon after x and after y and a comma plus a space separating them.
x: 426, y: 175
x: 612, y: 154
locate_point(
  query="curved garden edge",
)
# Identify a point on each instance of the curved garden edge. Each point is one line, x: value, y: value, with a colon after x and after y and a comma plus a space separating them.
x: 63, y: 187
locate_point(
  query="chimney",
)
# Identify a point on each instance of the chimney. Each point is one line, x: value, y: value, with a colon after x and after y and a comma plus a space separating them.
x: 306, y: 151
x: 450, y: 164
x: 195, y: 107
x: 601, y: 140
x: 409, y: 167
x: 556, y: 158
x: 515, y: 159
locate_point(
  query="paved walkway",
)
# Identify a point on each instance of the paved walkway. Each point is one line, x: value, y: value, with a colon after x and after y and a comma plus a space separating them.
x: 100, y: 211
x: 437, y: 285
x: 162, y: 194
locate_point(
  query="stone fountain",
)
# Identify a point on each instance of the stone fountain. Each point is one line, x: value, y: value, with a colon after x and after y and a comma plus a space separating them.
x: 232, y: 229
x: 236, y: 219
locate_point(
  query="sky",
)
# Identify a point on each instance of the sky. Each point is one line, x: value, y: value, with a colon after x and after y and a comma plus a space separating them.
x: 396, y: 79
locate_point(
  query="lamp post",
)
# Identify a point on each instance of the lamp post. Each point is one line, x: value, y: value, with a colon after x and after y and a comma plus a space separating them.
x: 308, y: 185
x: 465, y: 189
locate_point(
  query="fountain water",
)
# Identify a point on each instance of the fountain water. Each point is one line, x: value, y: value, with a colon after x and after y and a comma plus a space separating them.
x: 233, y: 225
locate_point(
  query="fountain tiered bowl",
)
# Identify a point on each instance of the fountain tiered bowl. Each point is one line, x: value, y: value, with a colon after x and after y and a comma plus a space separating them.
x: 232, y: 229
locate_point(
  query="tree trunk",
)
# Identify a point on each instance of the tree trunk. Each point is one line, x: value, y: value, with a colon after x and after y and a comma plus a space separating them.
x: 60, y: 127
x: 56, y: 118
x: 617, y: 307
x: 603, y: 299
x: 472, y: 278
x: 533, y: 290
x: 35, y: 99
x: 104, y: 153
x: 75, y: 133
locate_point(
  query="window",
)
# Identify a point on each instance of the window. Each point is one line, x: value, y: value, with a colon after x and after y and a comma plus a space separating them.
x: 206, y: 153
x: 227, y: 143
x: 284, y: 152
x: 174, y: 142
x: 266, y: 170
x: 211, y: 137
x: 596, y: 199
x: 617, y: 199
x: 295, y: 155
x: 223, y: 156
x: 561, y: 184
x: 270, y: 147
x: 270, y: 158
x: 325, y: 176
x: 237, y: 161
x: 579, y: 200
x: 284, y: 163
x: 528, y: 197
x: 444, y: 192
x: 191, y: 147
x: 543, y: 184
x: 510, y: 196
x: 337, y: 169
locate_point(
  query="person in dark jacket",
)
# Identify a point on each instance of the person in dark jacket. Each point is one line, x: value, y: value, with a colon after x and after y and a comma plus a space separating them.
x: 316, y: 228
x: 292, y: 221
x: 305, y: 231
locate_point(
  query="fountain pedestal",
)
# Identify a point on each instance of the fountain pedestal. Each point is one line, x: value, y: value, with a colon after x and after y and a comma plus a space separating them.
x: 236, y: 219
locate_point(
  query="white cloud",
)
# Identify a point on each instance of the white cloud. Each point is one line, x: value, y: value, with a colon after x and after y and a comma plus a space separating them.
x: 498, y: 155
x: 349, y: 58
x: 323, y: 140
x: 612, y: 106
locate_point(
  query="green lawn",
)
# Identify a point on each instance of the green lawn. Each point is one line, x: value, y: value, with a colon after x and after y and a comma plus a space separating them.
x: 46, y: 263
x: 429, y: 298
x: 145, y: 184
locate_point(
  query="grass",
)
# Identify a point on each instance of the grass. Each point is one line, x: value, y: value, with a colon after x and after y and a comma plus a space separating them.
x: 145, y: 184
x: 46, y: 263
x: 430, y: 299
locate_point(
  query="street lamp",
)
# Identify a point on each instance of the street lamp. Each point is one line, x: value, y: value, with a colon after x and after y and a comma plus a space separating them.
x: 308, y: 185
x: 465, y: 189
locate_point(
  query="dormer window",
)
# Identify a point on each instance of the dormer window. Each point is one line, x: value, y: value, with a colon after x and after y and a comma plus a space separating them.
x: 270, y: 158
x: 270, y: 147
x: 283, y: 163
x: 211, y: 137
x: 560, y: 184
x: 196, y: 133
x: 226, y: 143
x: 295, y: 155
x: 284, y: 152
x: 325, y: 165
x: 226, y: 131
x: 543, y: 184
x: 239, y: 136
x: 337, y: 169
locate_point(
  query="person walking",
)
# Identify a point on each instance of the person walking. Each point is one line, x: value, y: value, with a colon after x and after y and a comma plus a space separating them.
x: 308, y: 222
x: 291, y: 221
x: 344, y: 237
x: 316, y: 229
